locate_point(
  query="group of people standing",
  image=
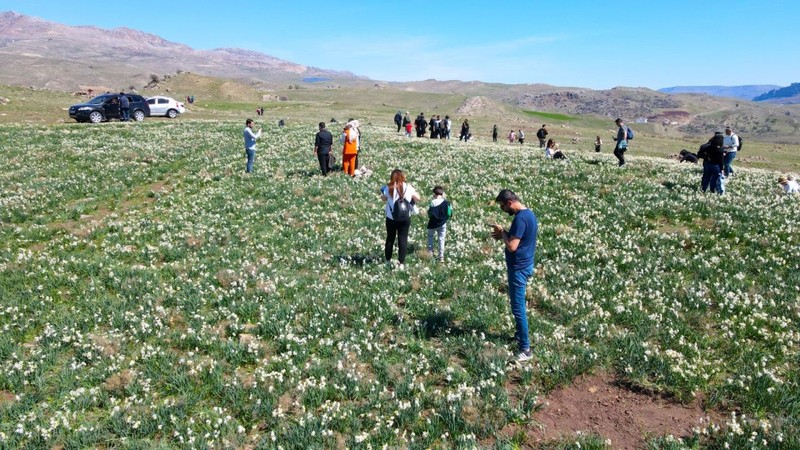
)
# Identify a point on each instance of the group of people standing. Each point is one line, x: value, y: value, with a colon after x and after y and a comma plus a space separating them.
x: 351, y: 140
x: 437, y: 127
x: 718, y: 155
x: 323, y: 144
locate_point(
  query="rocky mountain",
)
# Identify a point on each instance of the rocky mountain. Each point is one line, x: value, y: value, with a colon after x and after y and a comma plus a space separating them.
x: 745, y: 92
x: 787, y: 95
x: 36, y: 52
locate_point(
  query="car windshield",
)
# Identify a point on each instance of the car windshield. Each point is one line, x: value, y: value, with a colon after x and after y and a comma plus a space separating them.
x: 100, y: 99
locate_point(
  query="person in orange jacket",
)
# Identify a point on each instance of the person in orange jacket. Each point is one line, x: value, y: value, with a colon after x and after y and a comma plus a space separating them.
x: 350, y: 150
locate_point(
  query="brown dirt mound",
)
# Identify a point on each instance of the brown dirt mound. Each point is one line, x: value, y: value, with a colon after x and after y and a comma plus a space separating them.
x: 482, y: 106
x: 597, y: 404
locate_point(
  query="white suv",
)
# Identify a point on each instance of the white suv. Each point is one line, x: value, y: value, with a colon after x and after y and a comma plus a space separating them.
x: 165, y: 106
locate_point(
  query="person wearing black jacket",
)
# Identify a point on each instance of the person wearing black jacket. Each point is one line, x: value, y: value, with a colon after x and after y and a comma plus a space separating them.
x: 464, y: 131
x: 398, y: 120
x: 322, y: 148
x: 713, y: 157
x: 421, y: 124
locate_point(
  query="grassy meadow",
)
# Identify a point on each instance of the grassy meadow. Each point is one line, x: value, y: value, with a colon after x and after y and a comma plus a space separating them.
x: 152, y: 295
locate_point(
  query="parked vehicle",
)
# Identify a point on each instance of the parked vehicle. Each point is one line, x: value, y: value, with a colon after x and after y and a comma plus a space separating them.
x: 165, y: 106
x: 106, y: 107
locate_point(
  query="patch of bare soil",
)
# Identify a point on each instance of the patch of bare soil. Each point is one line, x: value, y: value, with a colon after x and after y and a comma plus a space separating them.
x: 596, y: 404
x: 480, y: 106
x: 6, y: 397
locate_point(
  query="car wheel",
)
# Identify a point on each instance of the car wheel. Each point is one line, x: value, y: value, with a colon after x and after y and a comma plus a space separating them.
x: 138, y: 115
x: 95, y: 117
x: 172, y: 114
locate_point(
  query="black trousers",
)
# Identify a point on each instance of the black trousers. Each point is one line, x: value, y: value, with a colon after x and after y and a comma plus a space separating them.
x: 399, y: 230
x: 620, y: 154
x: 323, y: 163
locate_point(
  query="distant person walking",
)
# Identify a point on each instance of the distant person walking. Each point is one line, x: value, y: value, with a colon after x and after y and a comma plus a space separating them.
x: 512, y: 136
x: 464, y: 131
x: 398, y: 120
x: 730, y: 146
x: 542, y: 135
x: 409, y: 127
x: 406, y: 119
x: 521, y: 137
x: 322, y: 148
x: 597, y: 144
x: 350, y: 139
x: 250, y: 144
x: 394, y: 192
x: 519, y: 245
x: 622, y: 142
x: 494, y: 133
x: 124, y: 107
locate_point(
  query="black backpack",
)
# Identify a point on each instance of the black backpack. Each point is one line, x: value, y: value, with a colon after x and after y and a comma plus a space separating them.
x: 402, y: 210
x: 702, y: 152
x: 740, y: 143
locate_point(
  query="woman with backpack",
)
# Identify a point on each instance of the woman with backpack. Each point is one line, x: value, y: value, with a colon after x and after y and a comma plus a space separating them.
x: 399, y: 197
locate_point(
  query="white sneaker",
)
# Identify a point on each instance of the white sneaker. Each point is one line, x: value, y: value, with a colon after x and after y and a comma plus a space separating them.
x: 523, y: 356
x: 401, y: 267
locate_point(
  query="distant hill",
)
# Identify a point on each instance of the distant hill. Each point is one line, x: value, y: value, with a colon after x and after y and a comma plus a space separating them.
x: 39, y: 53
x: 787, y: 95
x: 747, y: 92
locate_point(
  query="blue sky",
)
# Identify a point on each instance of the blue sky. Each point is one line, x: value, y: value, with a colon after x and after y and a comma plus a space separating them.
x: 591, y: 44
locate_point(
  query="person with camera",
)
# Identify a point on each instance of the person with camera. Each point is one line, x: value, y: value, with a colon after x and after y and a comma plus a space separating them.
x: 519, y: 245
x: 250, y: 144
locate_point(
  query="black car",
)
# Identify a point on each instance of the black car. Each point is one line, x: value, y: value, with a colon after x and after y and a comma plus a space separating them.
x: 106, y: 107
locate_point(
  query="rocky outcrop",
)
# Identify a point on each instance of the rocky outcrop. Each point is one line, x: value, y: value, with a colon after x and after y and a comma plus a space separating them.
x: 619, y: 102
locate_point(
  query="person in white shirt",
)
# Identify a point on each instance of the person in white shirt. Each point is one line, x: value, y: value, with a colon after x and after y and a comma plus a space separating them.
x: 730, y: 145
x: 394, y: 192
x: 250, y: 144
x: 789, y: 184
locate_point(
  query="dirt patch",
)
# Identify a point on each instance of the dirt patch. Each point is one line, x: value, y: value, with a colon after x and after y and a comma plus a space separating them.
x: 596, y: 404
x: 480, y: 106
x: 108, y: 346
x: 6, y: 397
x: 85, y: 225
x: 118, y: 382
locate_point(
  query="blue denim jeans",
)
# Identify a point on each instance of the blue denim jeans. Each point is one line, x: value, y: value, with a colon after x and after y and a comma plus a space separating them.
x: 517, y: 284
x: 711, y: 173
x: 251, y: 157
x: 726, y: 165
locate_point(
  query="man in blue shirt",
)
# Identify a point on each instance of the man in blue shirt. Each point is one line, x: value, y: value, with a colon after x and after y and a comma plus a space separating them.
x: 520, y: 248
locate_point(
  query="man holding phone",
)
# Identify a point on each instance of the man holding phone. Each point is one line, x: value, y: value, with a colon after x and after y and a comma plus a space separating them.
x: 250, y: 144
x: 520, y: 247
